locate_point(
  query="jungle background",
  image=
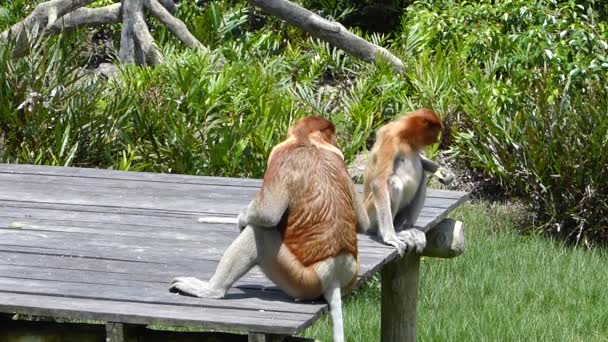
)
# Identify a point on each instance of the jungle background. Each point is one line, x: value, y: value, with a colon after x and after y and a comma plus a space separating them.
x: 522, y: 86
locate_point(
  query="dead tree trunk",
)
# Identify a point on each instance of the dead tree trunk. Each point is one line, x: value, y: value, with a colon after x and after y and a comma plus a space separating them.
x: 137, y: 44
x: 332, y: 32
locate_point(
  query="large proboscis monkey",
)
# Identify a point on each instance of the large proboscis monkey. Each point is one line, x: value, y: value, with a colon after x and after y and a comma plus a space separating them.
x: 301, y: 228
x: 395, y: 179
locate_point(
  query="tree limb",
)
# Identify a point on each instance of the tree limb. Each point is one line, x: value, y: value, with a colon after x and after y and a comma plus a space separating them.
x: 88, y: 17
x: 176, y: 26
x: 169, y: 5
x: 136, y: 43
x: 44, y: 16
x: 332, y: 32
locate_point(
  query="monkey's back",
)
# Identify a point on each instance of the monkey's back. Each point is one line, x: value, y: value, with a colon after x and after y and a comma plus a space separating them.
x: 320, y: 222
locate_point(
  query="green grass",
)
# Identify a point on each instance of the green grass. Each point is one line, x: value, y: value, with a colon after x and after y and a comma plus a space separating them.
x: 505, y: 287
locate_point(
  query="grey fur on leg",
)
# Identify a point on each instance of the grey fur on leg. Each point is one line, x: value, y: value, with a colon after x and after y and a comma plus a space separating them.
x: 239, y: 258
x: 194, y: 287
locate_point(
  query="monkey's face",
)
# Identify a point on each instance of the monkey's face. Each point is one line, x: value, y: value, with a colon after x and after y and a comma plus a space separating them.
x: 423, y: 127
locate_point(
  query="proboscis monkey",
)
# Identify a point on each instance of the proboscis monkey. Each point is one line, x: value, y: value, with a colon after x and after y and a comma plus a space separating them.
x: 301, y: 228
x: 394, y: 186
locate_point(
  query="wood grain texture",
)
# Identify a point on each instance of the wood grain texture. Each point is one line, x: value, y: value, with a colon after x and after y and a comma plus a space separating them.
x: 104, y: 245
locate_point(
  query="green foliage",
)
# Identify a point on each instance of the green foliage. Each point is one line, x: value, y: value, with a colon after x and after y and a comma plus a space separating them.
x: 188, y: 115
x: 521, y: 85
x: 529, y: 100
x: 11, y: 12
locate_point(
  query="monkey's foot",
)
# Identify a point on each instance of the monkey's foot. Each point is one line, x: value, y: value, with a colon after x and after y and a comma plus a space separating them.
x: 414, y: 240
x: 191, y: 286
x: 445, y: 176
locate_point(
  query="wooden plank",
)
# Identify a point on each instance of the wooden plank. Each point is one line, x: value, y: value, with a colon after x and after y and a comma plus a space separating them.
x: 191, y: 201
x: 18, y: 264
x: 242, y: 301
x: 125, y: 175
x: 173, y: 202
x: 120, y: 244
x: 80, y: 332
x: 204, y: 232
x: 101, y: 209
x: 159, y: 177
x: 144, y: 313
x: 105, y: 221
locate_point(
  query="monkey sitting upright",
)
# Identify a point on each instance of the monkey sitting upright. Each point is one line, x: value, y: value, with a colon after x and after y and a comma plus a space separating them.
x: 394, y: 185
x: 301, y: 228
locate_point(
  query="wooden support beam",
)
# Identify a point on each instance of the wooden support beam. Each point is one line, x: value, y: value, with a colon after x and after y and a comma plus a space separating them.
x: 121, y: 332
x: 446, y: 240
x: 400, y: 281
x: 17, y: 330
x: 6, y: 316
x: 259, y: 337
x: 398, y: 298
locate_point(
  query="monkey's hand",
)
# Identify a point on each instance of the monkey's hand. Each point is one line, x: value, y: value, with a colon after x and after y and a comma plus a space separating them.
x: 191, y: 286
x: 413, y: 239
x: 393, y: 240
x: 242, y: 220
x: 445, y: 176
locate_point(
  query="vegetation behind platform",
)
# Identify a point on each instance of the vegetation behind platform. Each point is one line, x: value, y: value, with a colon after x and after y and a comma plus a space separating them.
x: 521, y: 84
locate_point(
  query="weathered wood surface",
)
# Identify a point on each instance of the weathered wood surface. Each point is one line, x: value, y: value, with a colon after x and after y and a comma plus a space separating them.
x: 104, y: 245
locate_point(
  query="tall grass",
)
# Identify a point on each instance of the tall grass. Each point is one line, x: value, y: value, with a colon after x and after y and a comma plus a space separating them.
x: 505, y: 287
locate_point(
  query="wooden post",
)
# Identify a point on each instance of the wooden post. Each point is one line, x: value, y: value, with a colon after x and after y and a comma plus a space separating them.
x: 6, y: 316
x: 399, y: 297
x: 400, y: 281
x: 121, y: 332
x: 259, y: 337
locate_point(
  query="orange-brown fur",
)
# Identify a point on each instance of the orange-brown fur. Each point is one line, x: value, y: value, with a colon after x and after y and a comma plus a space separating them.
x: 301, y: 229
x: 407, y: 135
x: 320, y: 220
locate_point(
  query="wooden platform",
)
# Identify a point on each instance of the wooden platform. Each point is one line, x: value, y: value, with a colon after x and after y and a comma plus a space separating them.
x: 104, y: 245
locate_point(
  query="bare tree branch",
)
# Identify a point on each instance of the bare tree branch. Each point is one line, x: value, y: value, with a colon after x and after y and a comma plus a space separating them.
x: 43, y: 16
x: 332, y: 32
x: 88, y: 17
x: 136, y: 43
x: 176, y: 26
x: 169, y: 5
x: 146, y: 43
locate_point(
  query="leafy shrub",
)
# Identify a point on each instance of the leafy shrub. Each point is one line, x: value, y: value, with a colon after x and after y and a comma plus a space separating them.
x: 533, y: 102
x: 187, y: 116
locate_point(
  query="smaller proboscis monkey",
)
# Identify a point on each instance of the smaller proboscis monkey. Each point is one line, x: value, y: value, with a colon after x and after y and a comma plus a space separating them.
x: 301, y: 228
x: 394, y: 186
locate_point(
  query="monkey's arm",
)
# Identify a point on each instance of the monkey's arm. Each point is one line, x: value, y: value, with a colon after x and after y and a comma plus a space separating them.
x: 444, y: 175
x: 363, y: 224
x: 404, y: 221
x: 242, y: 220
x: 379, y: 185
x: 268, y: 207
